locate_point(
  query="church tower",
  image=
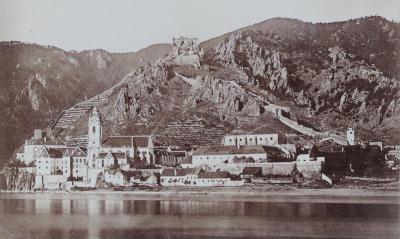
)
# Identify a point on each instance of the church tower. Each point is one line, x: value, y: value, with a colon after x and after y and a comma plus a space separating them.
x: 350, y: 136
x: 94, y: 137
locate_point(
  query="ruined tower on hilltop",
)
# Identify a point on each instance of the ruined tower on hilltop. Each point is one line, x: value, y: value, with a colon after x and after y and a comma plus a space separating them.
x: 186, y: 51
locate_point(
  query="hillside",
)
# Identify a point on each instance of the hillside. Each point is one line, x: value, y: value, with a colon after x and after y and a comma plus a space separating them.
x: 305, y: 81
x: 38, y: 82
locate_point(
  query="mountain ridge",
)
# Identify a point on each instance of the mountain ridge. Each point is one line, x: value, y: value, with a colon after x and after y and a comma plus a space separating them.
x: 329, y: 75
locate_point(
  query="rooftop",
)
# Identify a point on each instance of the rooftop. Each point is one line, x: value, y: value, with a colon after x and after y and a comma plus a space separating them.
x: 220, y: 174
x: 225, y: 150
x: 127, y: 141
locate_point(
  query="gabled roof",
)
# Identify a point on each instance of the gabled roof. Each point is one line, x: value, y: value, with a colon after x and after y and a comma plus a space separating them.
x: 79, y: 152
x: 113, y: 155
x: 220, y: 174
x: 252, y: 170
x: 102, y: 155
x: 51, y: 153
x: 185, y: 171
x: 119, y: 155
x: 43, y: 141
x: 127, y: 141
x: 177, y: 153
x: 68, y: 152
x: 187, y: 160
x: 170, y: 172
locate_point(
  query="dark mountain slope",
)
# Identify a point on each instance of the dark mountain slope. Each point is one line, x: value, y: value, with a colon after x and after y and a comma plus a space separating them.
x: 37, y: 82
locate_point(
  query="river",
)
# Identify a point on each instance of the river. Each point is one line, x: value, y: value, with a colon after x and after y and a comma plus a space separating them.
x: 119, y: 217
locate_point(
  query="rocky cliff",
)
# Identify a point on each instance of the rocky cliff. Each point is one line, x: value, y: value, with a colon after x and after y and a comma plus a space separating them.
x: 324, y: 77
x: 12, y: 178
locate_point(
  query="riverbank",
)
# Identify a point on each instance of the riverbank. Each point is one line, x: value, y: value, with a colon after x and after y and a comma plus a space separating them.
x: 248, y: 194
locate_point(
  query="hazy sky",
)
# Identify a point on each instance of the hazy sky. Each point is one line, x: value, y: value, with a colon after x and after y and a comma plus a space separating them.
x: 122, y: 26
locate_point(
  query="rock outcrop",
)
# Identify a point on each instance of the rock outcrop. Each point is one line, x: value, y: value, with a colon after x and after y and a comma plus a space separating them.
x: 13, y: 178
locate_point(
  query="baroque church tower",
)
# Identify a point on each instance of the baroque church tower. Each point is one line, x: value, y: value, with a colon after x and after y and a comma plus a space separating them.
x: 94, y: 137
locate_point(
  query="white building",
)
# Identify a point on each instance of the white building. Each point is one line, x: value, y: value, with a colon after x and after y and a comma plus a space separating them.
x: 113, y: 160
x: 49, y: 162
x: 215, y: 156
x: 75, y: 163
x: 116, y: 177
x: 34, y: 146
x: 196, y: 177
x: 251, y: 139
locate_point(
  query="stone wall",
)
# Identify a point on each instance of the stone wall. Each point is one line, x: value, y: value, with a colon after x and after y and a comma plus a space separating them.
x: 311, y: 169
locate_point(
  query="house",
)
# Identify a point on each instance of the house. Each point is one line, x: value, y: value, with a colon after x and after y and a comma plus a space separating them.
x: 216, y: 179
x: 75, y: 163
x: 187, y: 162
x: 117, y: 177
x: 249, y: 173
x: 311, y: 156
x: 196, y: 177
x: 172, y: 157
x: 377, y: 143
x: 178, y: 176
x: 109, y: 159
x: 33, y: 147
x: 49, y: 161
x: 49, y: 169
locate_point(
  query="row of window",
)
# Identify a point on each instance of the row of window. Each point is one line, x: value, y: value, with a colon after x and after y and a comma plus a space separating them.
x: 251, y: 139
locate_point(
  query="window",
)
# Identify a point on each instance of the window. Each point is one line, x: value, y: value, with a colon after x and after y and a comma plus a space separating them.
x: 271, y: 138
x: 94, y: 129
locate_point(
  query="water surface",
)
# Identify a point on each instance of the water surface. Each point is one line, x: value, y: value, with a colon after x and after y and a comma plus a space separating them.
x: 125, y: 218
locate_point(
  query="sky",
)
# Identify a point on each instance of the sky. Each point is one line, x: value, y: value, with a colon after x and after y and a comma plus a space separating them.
x: 126, y: 26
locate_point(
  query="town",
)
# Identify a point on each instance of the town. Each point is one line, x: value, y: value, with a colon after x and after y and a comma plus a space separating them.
x: 238, y: 159
x: 134, y: 160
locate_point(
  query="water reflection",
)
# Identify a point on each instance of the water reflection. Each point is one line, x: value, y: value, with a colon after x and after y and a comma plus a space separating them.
x: 90, y: 218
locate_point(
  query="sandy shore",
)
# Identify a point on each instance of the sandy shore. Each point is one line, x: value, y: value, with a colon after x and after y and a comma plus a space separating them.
x: 224, y: 194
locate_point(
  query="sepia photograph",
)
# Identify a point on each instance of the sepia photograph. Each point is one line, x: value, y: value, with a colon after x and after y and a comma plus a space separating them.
x: 199, y: 119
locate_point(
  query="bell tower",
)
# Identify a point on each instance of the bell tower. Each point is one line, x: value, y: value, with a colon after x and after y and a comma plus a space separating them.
x: 350, y: 136
x: 94, y: 137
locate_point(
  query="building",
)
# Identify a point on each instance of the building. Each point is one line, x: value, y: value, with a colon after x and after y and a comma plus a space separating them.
x: 49, y: 162
x: 216, y: 156
x: 376, y: 143
x: 311, y: 156
x: 34, y: 146
x: 75, y: 164
x: 251, y: 139
x: 116, y: 177
x: 172, y: 157
x: 249, y: 173
x: 119, y: 160
x: 197, y: 177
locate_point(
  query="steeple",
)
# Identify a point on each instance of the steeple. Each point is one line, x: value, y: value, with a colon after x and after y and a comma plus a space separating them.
x: 350, y: 136
x: 94, y: 136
